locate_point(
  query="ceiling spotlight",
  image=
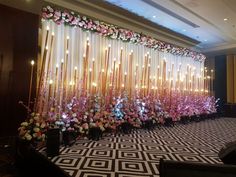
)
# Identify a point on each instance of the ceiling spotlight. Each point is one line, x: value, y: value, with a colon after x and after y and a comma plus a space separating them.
x: 154, y: 16
x: 225, y: 19
x: 205, y: 40
x: 184, y: 30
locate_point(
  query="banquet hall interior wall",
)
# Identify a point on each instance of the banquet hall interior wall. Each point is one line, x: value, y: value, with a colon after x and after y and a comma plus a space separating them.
x: 19, y: 39
x: 19, y: 45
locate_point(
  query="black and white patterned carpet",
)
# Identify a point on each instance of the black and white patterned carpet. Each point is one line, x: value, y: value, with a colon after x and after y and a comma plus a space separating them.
x: 138, y: 154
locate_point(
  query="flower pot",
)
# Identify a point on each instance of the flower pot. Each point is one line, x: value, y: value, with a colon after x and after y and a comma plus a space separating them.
x: 126, y: 127
x: 95, y: 133
x: 53, y: 142
x: 68, y: 137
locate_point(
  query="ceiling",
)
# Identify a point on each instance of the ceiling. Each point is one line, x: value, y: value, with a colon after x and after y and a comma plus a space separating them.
x: 211, y: 22
x: 190, y: 22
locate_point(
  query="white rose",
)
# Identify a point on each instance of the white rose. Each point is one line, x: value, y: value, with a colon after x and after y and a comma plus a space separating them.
x: 75, y: 120
x: 36, y: 118
x: 34, y: 135
x: 43, y: 136
x: 92, y: 124
x: 36, y: 129
x: 81, y: 130
x: 24, y: 124
x: 43, y: 125
x: 28, y: 137
x: 102, y: 128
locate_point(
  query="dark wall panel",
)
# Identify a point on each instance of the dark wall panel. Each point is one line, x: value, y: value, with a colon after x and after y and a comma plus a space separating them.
x: 220, y: 80
x: 18, y: 45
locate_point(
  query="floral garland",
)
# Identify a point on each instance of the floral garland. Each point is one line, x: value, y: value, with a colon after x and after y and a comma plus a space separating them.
x: 115, y: 32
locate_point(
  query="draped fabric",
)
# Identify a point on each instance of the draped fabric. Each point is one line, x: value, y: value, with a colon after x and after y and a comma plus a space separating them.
x: 74, y: 61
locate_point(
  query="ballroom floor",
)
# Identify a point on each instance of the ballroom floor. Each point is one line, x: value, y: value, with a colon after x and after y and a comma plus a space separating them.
x: 137, y: 154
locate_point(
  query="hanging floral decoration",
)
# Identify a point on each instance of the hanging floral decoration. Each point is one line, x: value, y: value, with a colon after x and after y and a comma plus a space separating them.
x: 115, y: 32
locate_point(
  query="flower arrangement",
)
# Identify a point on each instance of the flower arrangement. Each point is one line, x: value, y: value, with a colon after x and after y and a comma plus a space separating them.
x: 84, y: 113
x: 33, y: 129
x: 115, y: 32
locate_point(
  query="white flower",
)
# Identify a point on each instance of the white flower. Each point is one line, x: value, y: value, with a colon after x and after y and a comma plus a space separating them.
x: 64, y: 116
x: 81, y: 130
x: 43, y: 136
x: 92, y: 125
x: 75, y: 120
x: 28, y: 137
x: 24, y: 124
x: 74, y: 115
x: 34, y: 135
x: 58, y: 123
x: 102, y: 128
x: 36, y: 118
x: 43, y: 125
x: 36, y: 129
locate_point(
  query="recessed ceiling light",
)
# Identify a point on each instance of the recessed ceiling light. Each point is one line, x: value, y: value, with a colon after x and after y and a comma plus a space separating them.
x: 205, y: 40
x: 154, y: 16
x: 225, y: 19
x: 184, y: 30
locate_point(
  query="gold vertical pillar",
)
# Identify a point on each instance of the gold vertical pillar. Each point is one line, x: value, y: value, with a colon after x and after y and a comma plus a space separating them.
x: 230, y: 78
x: 234, y: 86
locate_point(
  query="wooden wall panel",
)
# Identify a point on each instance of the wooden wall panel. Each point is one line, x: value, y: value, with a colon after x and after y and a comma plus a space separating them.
x: 18, y: 45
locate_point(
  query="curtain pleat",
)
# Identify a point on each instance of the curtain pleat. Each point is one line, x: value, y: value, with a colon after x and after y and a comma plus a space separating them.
x: 64, y: 51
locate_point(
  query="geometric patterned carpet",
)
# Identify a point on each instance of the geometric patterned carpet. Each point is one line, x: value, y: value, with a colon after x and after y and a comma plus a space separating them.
x: 138, y: 154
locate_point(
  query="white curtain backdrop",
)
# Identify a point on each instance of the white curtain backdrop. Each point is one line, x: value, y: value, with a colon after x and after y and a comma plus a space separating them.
x: 76, y: 38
